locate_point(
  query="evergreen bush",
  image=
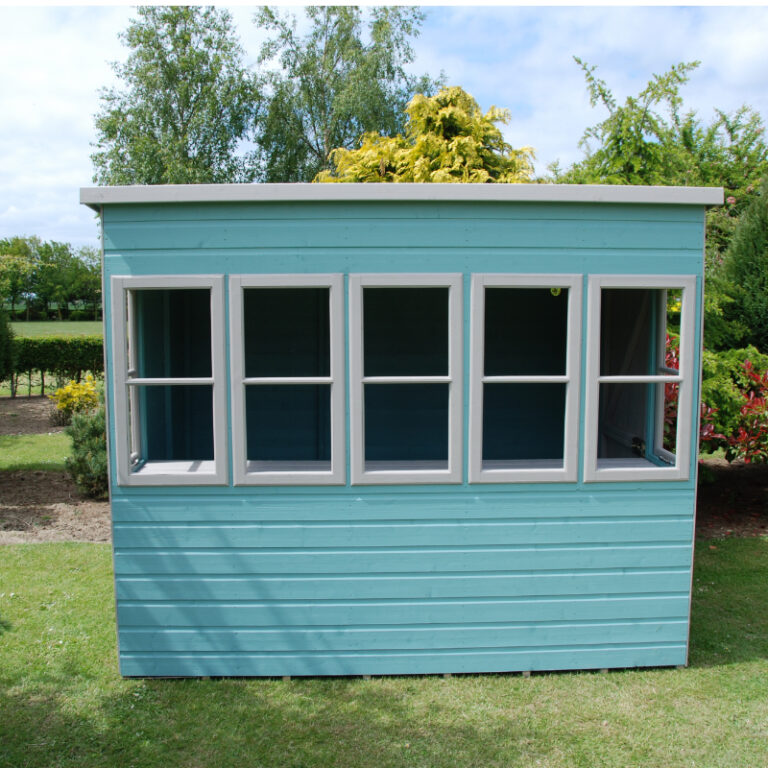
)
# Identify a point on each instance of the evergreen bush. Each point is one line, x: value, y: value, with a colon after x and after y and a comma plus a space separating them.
x: 746, y: 266
x: 87, y: 466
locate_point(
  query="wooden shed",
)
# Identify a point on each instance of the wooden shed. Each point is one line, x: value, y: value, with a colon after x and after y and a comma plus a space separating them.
x: 397, y: 429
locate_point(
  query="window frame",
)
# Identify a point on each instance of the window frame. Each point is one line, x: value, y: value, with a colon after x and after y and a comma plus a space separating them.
x: 571, y: 378
x: 127, y: 428
x: 454, y: 378
x: 289, y: 475
x: 685, y: 377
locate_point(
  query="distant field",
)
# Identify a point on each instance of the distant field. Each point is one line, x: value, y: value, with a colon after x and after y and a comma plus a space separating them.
x: 58, y: 328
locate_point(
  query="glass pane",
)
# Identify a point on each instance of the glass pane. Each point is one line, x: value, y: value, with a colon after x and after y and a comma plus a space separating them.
x: 173, y: 332
x: 406, y: 422
x: 526, y: 331
x: 405, y: 331
x: 286, y: 332
x: 523, y: 421
x: 288, y: 422
x: 175, y: 422
x: 636, y: 420
x: 628, y: 331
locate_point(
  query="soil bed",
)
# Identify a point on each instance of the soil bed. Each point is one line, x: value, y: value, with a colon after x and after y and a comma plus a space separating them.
x: 43, y: 506
x: 46, y: 506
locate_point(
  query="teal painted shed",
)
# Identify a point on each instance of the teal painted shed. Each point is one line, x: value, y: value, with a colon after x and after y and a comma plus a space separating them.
x: 398, y: 429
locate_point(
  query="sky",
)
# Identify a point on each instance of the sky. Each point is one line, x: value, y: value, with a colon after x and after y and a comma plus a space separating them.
x: 56, y: 58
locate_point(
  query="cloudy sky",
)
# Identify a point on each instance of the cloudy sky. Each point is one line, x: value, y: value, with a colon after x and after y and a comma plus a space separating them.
x: 54, y: 60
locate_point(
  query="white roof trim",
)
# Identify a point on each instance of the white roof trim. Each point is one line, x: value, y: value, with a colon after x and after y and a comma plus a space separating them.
x: 505, y: 193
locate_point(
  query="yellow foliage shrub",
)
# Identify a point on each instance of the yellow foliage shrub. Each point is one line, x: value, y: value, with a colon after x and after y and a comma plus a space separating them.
x: 76, y: 397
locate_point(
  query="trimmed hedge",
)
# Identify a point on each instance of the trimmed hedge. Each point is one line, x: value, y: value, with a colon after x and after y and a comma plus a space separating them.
x: 66, y: 357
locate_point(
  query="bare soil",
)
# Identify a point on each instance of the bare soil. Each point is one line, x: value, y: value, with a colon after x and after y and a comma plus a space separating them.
x: 46, y: 506
x: 43, y: 506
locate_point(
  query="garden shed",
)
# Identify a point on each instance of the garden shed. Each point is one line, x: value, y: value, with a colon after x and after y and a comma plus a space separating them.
x: 398, y: 429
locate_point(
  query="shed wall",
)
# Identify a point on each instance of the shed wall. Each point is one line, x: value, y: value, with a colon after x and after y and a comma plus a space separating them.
x: 406, y: 579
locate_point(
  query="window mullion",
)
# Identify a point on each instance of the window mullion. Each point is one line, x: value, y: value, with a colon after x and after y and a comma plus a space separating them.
x: 169, y: 382
x: 525, y: 379
x: 640, y: 379
x: 287, y: 380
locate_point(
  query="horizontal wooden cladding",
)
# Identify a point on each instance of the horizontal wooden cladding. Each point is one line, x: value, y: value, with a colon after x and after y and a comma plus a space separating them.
x: 413, y: 586
x: 499, y: 533
x: 339, y: 212
x: 417, y: 504
x: 279, y: 640
x: 403, y: 663
x: 401, y: 560
x: 399, y: 612
x: 403, y: 234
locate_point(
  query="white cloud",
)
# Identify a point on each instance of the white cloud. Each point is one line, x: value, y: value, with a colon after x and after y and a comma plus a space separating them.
x: 55, y: 60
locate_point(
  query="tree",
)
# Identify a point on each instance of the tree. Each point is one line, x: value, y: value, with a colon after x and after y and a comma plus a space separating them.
x: 746, y: 266
x: 447, y: 139
x: 87, y: 279
x: 185, y: 102
x: 333, y: 85
x: 649, y: 140
x: 16, y: 270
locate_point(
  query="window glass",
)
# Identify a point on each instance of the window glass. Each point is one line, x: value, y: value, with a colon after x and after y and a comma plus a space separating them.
x: 173, y: 332
x: 406, y: 422
x: 635, y: 420
x: 627, y: 331
x: 176, y: 423
x: 286, y: 332
x: 405, y: 331
x: 523, y: 421
x: 288, y: 422
x: 526, y: 331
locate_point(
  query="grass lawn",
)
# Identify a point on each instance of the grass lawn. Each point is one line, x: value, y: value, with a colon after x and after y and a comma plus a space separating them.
x: 62, y: 702
x: 58, y: 328
x: 30, y: 452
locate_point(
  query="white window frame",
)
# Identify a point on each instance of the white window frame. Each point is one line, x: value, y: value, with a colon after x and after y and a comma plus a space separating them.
x: 404, y: 475
x: 525, y: 471
x: 287, y: 473
x: 684, y: 376
x: 125, y: 382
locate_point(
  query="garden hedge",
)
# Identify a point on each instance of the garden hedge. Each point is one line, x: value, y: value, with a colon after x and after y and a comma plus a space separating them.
x: 66, y: 357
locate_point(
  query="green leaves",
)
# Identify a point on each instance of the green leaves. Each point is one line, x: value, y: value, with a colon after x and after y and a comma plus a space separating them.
x: 342, y: 79
x: 185, y: 103
x: 447, y: 139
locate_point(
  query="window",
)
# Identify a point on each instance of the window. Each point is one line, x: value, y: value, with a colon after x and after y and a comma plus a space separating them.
x: 639, y: 409
x: 405, y: 370
x: 170, y: 397
x: 524, y: 394
x: 287, y: 379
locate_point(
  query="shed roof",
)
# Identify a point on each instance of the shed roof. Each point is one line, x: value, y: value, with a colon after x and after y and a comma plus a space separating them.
x: 95, y: 197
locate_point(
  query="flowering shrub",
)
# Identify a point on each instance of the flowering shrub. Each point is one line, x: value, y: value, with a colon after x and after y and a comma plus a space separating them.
x: 76, y: 397
x: 671, y: 360
x: 750, y: 439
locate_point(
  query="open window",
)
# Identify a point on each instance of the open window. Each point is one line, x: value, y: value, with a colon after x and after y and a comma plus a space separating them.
x: 169, y: 374
x: 287, y: 379
x: 405, y: 363
x: 640, y: 367
x: 524, y: 394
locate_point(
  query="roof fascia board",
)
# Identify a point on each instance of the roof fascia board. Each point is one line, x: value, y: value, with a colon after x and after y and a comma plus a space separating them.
x: 95, y: 197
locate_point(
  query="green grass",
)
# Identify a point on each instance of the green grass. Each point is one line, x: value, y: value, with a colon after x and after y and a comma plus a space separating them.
x: 30, y: 452
x: 62, y: 702
x: 58, y: 328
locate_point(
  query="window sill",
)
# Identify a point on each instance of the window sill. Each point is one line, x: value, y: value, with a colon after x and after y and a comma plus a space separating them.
x: 289, y: 473
x: 187, y: 472
x: 634, y: 469
x: 523, y: 471
x: 406, y: 473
